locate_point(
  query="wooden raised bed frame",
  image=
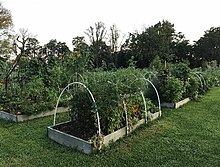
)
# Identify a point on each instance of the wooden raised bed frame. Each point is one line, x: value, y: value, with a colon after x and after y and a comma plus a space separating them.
x: 88, y: 147
x: 175, y: 105
x: 20, y: 118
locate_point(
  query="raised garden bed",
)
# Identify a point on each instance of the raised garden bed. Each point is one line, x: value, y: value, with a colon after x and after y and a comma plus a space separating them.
x: 84, y: 143
x: 175, y: 105
x: 20, y: 118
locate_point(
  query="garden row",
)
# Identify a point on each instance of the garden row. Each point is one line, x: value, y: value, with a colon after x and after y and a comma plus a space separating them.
x: 112, y: 103
x: 125, y: 99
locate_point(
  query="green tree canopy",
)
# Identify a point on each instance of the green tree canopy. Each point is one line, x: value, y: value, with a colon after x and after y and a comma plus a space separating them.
x: 99, y: 48
x: 207, y: 48
x: 154, y: 40
x: 56, y: 49
x: 182, y: 49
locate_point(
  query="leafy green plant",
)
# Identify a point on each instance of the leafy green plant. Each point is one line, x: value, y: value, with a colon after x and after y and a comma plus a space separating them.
x: 151, y: 107
x: 37, y: 94
x: 192, y: 87
x: 109, y: 90
x: 172, y: 90
x: 135, y: 108
x: 181, y: 71
x: 212, y: 77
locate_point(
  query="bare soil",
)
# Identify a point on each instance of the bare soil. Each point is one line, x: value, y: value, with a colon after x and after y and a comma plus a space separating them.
x: 84, y: 130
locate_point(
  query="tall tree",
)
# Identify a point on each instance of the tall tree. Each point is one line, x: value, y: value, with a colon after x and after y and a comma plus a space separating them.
x: 97, y: 33
x: 19, y: 51
x: 153, y: 41
x: 113, y: 38
x: 207, y: 48
x: 182, y: 49
x: 97, y: 37
x: 33, y: 48
x: 55, y: 49
x: 5, y: 41
x: 6, y: 45
x: 21, y: 41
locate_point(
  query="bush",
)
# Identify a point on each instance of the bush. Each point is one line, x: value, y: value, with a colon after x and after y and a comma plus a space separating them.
x: 172, y: 90
x: 181, y: 71
x: 212, y: 77
x: 31, y: 98
x: 192, y: 88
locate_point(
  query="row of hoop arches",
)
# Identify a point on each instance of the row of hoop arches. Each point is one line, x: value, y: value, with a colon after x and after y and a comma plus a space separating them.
x: 197, y: 74
x: 94, y: 102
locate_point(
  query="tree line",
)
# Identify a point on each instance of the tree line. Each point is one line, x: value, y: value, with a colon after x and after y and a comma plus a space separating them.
x: 159, y: 42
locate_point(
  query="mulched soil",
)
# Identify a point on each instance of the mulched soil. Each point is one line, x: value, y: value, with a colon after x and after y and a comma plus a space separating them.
x: 83, y: 130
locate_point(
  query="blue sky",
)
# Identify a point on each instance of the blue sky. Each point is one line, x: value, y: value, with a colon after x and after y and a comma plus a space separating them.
x: 65, y: 19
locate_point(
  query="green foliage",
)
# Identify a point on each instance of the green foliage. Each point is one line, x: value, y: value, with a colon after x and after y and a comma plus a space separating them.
x: 192, y: 88
x: 178, y: 81
x: 179, y: 138
x: 181, y: 71
x: 81, y: 107
x: 134, y: 108
x: 207, y: 47
x: 172, y: 90
x: 33, y: 99
x: 156, y: 64
x: 110, y: 89
x: 154, y: 41
x: 182, y: 49
x: 212, y: 77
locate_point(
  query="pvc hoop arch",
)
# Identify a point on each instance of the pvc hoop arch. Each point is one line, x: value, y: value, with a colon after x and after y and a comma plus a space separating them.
x: 198, y: 76
x: 125, y: 108
x: 158, y: 97
x: 93, y: 99
x: 77, y: 74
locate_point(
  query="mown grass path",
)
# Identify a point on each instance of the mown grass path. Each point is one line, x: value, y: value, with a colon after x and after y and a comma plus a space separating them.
x: 189, y: 136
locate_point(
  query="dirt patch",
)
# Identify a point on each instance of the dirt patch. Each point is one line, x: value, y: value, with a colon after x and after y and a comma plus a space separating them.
x: 84, y: 130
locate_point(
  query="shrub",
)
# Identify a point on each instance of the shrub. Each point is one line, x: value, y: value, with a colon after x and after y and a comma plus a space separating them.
x: 192, y: 87
x: 212, y: 77
x: 172, y: 89
x: 181, y: 71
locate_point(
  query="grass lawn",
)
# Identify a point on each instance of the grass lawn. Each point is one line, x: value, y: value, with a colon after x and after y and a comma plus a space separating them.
x: 189, y: 136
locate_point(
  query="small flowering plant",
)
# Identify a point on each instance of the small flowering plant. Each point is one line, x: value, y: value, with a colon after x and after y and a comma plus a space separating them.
x: 136, y: 107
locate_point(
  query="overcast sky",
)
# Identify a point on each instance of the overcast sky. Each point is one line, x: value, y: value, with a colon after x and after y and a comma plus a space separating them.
x: 65, y: 19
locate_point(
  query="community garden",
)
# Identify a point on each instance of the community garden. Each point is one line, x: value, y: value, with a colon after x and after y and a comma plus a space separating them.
x: 187, y: 136
x: 100, y: 92
x: 99, y: 102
